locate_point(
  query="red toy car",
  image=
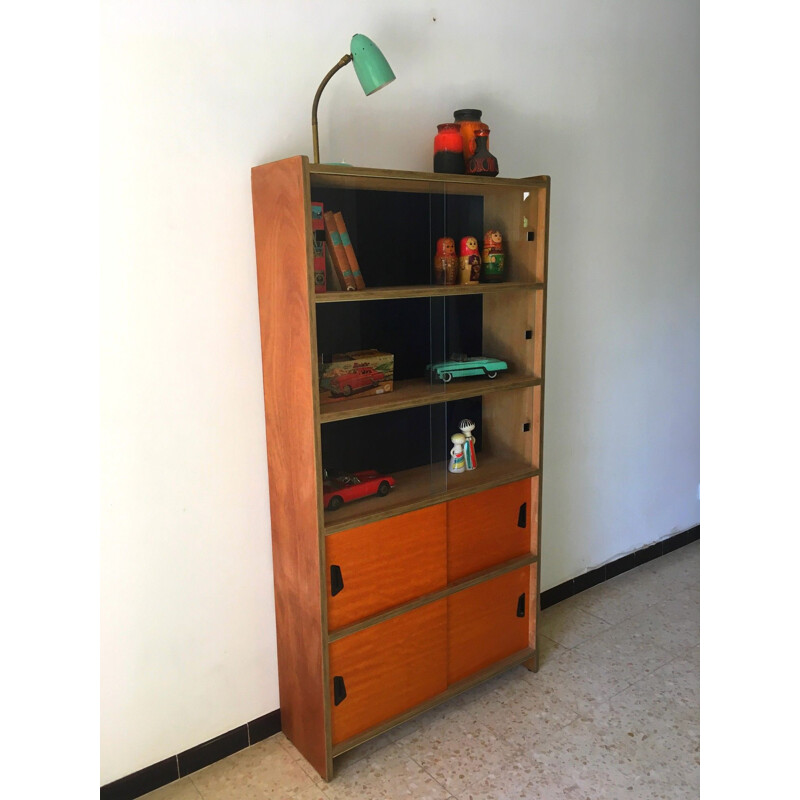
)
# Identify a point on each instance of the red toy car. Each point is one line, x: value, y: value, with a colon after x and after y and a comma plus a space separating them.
x: 345, y: 488
x: 362, y: 376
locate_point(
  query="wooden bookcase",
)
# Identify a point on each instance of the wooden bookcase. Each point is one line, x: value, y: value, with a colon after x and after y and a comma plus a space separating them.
x: 440, y: 577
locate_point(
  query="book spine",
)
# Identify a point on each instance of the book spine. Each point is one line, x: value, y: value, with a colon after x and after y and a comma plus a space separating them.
x: 351, y: 253
x: 332, y: 277
x: 318, y: 232
x: 338, y: 253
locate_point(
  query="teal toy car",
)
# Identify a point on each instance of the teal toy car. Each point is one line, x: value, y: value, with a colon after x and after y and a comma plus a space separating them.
x: 461, y: 368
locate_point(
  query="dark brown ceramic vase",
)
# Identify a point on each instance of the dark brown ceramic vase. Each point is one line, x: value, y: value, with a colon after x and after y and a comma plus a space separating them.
x: 469, y: 121
x: 482, y: 162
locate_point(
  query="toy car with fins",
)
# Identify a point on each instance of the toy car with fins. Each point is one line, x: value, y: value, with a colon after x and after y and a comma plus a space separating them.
x: 462, y: 367
x: 353, y: 486
x: 362, y: 376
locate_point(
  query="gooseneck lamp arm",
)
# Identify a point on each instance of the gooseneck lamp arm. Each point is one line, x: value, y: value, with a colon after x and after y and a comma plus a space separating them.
x: 343, y: 61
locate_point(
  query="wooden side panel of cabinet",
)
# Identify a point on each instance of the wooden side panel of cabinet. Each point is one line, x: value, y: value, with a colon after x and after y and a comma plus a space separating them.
x: 384, y: 564
x: 484, y: 624
x: 488, y: 528
x: 285, y: 296
x: 387, y: 669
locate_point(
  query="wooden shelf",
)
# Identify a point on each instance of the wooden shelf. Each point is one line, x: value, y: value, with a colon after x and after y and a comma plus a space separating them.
x: 404, y: 292
x: 421, y: 392
x: 400, y: 180
x: 426, y: 486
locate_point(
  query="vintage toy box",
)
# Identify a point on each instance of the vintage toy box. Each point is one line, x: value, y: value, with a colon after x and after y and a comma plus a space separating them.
x: 361, y: 372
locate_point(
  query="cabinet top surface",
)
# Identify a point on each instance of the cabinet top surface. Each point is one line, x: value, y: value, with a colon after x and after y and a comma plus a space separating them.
x: 345, y: 170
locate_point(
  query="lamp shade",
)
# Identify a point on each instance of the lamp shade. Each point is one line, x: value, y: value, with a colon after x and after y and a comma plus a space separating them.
x: 370, y: 64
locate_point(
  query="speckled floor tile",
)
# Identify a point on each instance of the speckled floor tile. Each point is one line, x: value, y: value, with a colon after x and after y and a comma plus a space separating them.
x: 569, y: 625
x: 265, y: 771
x: 446, y: 751
x: 627, y: 654
x: 388, y: 774
x: 312, y: 793
x: 670, y: 627
x: 548, y: 650
x: 581, y: 680
x: 612, y: 604
x: 183, y: 789
x: 524, y: 715
x: 648, y: 586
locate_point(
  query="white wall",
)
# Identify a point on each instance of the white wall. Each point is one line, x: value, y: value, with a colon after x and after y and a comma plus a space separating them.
x: 602, y: 96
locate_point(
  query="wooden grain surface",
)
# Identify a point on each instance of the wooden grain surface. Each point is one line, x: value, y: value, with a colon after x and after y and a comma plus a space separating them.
x: 386, y: 563
x: 455, y: 586
x: 428, y: 485
x: 421, y: 392
x: 522, y: 657
x: 339, y: 175
x: 482, y: 529
x: 389, y: 668
x: 482, y: 624
x: 283, y: 254
x: 407, y: 292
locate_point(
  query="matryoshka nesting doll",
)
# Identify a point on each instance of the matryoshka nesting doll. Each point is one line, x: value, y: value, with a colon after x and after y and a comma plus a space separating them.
x: 445, y: 262
x: 469, y: 261
x: 493, y: 257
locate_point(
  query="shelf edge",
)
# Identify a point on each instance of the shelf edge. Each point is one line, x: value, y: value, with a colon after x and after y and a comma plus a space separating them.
x: 452, y: 588
x: 430, y: 500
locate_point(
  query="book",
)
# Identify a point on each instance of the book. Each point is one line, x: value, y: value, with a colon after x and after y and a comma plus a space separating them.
x: 355, y: 270
x: 332, y: 277
x: 338, y: 253
x: 318, y: 233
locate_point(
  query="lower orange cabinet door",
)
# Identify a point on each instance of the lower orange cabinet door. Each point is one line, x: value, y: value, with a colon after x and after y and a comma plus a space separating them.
x: 381, y: 565
x: 387, y: 669
x: 488, y: 528
x: 487, y: 623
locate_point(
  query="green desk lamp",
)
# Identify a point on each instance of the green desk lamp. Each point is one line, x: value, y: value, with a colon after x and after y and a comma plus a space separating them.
x: 373, y: 71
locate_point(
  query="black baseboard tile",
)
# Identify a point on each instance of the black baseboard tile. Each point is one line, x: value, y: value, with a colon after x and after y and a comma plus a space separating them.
x: 202, y: 755
x: 649, y: 553
x: 555, y: 595
x: 264, y: 727
x: 681, y: 539
x: 620, y: 565
x: 589, y: 579
x: 141, y: 782
x: 550, y: 597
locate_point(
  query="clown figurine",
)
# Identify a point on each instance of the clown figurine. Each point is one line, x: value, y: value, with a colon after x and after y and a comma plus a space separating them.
x: 445, y: 261
x: 457, y: 453
x: 469, y: 261
x: 467, y: 426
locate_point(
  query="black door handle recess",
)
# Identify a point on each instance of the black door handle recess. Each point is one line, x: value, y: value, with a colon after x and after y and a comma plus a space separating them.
x: 337, y: 584
x: 521, y: 605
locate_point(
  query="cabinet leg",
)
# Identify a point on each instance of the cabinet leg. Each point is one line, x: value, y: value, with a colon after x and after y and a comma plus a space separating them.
x: 532, y: 663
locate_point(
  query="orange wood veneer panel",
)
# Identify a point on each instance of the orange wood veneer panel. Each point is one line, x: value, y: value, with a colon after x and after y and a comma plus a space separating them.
x: 386, y: 563
x: 389, y: 668
x: 483, y: 626
x: 483, y: 529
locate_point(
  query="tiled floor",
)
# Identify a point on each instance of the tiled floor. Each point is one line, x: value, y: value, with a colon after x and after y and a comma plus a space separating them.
x: 612, y: 713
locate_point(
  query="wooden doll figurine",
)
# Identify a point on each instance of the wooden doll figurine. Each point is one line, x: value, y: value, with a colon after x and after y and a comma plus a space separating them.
x: 457, y: 453
x: 467, y: 426
x: 493, y: 257
x: 469, y: 261
x: 445, y: 262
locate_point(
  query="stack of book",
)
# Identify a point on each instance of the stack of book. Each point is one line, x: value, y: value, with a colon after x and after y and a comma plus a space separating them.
x: 340, y: 254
